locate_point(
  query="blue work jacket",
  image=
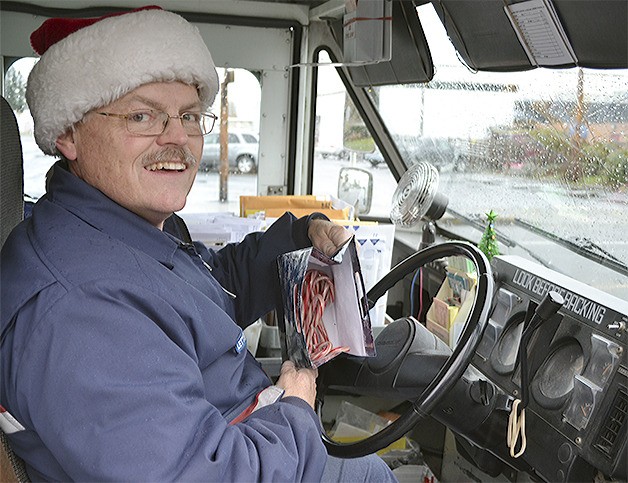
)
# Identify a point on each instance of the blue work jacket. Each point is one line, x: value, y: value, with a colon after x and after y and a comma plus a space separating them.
x: 122, y: 353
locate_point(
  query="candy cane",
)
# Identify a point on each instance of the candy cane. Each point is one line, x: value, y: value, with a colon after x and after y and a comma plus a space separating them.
x: 317, y: 293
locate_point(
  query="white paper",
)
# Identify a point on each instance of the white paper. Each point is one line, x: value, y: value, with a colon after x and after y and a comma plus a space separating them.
x: 540, y: 32
x: 217, y: 229
x: 343, y: 320
x: 375, y: 243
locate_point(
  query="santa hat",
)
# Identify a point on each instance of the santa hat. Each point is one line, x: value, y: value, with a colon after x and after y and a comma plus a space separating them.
x: 89, y: 63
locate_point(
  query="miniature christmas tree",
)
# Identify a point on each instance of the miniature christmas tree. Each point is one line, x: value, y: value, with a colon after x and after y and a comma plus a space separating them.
x: 488, y: 243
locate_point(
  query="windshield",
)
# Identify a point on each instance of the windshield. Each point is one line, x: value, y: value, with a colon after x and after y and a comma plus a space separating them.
x: 547, y: 150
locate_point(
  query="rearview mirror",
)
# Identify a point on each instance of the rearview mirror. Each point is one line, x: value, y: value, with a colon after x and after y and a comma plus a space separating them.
x: 355, y: 186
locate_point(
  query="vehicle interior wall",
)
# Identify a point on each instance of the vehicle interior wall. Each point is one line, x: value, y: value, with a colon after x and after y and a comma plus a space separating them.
x: 266, y: 49
x: 545, y: 148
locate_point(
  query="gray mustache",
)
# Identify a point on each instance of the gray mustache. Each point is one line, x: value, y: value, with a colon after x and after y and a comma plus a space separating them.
x: 168, y: 154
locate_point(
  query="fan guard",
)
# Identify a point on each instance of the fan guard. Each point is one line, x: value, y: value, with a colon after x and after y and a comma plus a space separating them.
x: 417, y: 196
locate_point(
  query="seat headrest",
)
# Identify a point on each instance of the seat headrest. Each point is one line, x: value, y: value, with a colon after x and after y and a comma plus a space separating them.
x: 11, y: 172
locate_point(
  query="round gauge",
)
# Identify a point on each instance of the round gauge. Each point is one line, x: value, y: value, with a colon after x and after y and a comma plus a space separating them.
x: 554, y: 380
x: 504, y: 355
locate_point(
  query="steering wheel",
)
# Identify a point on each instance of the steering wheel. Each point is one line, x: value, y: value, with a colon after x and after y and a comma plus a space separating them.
x: 454, y: 366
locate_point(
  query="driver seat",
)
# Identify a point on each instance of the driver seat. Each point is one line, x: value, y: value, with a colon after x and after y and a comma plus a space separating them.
x: 11, y: 213
x: 11, y: 172
x: 12, y: 467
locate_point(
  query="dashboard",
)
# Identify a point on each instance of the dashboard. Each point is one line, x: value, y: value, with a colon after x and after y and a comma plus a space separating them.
x: 577, y: 371
x: 566, y: 366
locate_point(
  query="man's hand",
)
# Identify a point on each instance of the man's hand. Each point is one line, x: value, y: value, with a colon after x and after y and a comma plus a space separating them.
x: 298, y: 382
x: 327, y: 236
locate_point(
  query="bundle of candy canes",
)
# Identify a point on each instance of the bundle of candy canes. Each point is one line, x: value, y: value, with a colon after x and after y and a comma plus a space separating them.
x: 317, y: 292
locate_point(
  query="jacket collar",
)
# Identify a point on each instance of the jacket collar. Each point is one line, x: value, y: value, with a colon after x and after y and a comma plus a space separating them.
x: 101, y: 212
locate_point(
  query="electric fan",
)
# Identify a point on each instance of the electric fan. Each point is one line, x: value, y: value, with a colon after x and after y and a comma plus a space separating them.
x: 417, y: 198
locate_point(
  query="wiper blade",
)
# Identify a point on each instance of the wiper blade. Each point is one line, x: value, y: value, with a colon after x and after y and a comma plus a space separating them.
x: 590, y: 245
x: 581, y: 246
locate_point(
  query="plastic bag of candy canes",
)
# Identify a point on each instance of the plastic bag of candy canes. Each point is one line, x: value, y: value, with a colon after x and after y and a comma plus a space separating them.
x: 324, y: 307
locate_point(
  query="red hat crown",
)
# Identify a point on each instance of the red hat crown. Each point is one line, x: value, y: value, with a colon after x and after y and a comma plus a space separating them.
x: 89, y: 63
x: 55, y: 29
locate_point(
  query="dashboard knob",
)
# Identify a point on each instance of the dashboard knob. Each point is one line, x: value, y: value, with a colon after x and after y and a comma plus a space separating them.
x: 550, y: 304
x: 482, y: 392
x: 618, y: 326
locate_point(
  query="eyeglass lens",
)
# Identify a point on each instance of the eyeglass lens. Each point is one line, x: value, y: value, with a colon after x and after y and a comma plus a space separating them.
x: 154, y: 123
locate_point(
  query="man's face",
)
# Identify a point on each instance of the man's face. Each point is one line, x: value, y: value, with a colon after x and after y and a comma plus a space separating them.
x: 149, y: 175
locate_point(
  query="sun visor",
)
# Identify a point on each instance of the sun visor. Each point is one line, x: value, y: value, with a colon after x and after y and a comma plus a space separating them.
x: 595, y: 32
x: 598, y: 31
x: 411, y: 61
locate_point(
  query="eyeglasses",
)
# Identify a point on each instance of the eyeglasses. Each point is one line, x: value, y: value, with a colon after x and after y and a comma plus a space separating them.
x: 149, y: 122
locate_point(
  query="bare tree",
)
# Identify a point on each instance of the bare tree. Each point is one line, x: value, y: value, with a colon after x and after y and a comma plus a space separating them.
x: 14, y: 90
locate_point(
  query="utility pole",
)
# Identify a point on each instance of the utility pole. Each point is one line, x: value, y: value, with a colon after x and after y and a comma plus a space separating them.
x: 580, y: 129
x: 224, y: 136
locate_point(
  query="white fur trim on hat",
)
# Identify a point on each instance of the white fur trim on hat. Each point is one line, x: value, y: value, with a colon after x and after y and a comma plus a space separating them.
x: 100, y: 63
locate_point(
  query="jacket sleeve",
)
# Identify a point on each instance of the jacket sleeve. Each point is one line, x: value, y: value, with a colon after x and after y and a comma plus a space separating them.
x: 249, y: 268
x: 112, y: 385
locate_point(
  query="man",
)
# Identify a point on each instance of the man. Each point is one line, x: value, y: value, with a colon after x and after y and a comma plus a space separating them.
x: 122, y: 351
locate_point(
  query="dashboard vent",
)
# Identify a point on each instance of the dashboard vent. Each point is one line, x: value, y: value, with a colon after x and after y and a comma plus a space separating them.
x: 614, y: 425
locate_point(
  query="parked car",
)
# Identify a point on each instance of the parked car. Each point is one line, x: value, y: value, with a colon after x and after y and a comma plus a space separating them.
x: 242, y: 148
x: 443, y: 153
x: 331, y: 152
